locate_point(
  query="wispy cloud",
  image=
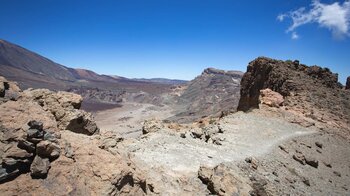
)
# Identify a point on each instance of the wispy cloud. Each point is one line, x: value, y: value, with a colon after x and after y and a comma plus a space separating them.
x: 335, y: 17
x: 295, y: 35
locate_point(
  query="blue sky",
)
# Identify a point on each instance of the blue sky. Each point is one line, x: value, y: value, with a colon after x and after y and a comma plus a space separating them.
x: 178, y: 38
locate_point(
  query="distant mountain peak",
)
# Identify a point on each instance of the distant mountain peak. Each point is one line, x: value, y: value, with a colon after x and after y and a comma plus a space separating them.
x: 215, y: 71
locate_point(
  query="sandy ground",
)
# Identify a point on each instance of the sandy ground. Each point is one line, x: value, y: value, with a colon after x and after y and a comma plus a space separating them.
x: 127, y: 120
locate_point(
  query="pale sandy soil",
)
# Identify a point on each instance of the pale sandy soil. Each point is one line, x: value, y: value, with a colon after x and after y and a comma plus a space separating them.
x: 127, y: 120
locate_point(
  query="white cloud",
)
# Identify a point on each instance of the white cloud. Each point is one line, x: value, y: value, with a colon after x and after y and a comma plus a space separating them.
x: 335, y: 17
x: 295, y: 35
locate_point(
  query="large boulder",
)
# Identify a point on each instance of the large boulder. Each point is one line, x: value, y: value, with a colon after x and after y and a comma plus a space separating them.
x: 312, y: 93
x: 151, y: 126
x: 222, y: 180
x: 9, y: 90
x: 64, y: 107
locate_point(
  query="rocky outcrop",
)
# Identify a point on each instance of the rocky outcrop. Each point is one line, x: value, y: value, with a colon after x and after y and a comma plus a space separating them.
x: 221, y: 180
x: 24, y: 152
x: 40, y: 139
x: 8, y: 90
x: 347, y: 86
x: 283, y: 77
x: 311, y: 92
x: 151, y: 126
x: 64, y: 107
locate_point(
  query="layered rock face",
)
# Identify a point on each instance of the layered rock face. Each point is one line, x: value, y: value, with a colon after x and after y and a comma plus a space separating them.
x: 209, y: 94
x: 313, y: 91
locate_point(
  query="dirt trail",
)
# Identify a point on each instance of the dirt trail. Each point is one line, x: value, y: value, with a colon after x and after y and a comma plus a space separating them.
x: 165, y: 156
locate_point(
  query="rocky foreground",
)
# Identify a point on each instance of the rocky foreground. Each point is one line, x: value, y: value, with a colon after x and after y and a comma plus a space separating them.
x: 292, y: 138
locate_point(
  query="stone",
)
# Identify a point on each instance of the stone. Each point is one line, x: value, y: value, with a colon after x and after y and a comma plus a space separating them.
x: 319, y: 144
x: 300, y: 158
x: 2, y: 89
x: 7, y: 174
x: 50, y: 137
x: 17, y: 153
x: 39, y: 167
x: 271, y: 98
x: 337, y: 173
x: 35, y: 133
x: 150, y: 126
x: 80, y: 122
x: 311, y: 161
x: 253, y: 162
x: 197, y: 133
x: 67, y: 99
x: 204, y: 174
x: 26, y: 145
x: 327, y: 164
x: 221, y: 180
x: 48, y: 149
x: 35, y: 125
x: 347, y: 85
x: 282, y: 147
x: 306, y: 181
x: 68, y: 150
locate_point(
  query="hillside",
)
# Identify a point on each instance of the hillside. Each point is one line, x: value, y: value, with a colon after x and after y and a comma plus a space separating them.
x: 48, y: 146
x: 210, y: 94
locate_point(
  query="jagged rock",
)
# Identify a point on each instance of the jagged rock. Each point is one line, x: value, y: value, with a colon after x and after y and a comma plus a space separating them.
x: 253, y: 162
x: 9, y: 90
x: 2, y: 89
x: 197, y: 133
x: 17, y: 153
x: 48, y: 149
x: 80, y: 122
x: 50, y: 137
x: 347, y: 86
x: 35, y: 125
x: 204, y: 174
x: 64, y: 107
x: 6, y: 174
x: 221, y: 180
x: 271, y: 98
x: 337, y: 173
x: 300, y: 158
x: 311, y: 161
x: 311, y: 92
x: 327, y: 164
x: 150, y: 126
x: 68, y: 150
x: 39, y: 167
x: 26, y: 145
x: 35, y: 133
x: 67, y: 99
x: 319, y: 144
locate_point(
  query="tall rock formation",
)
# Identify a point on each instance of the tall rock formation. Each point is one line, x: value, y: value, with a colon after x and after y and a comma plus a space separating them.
x: 312, y: 91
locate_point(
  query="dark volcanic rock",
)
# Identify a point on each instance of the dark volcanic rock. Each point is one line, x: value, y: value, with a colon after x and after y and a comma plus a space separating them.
x: 48, y: 149
x: 312, y: 91
x: 347, y: 86
x: 282, y: 77
x: 35, y: 125
x: 40, y: 167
